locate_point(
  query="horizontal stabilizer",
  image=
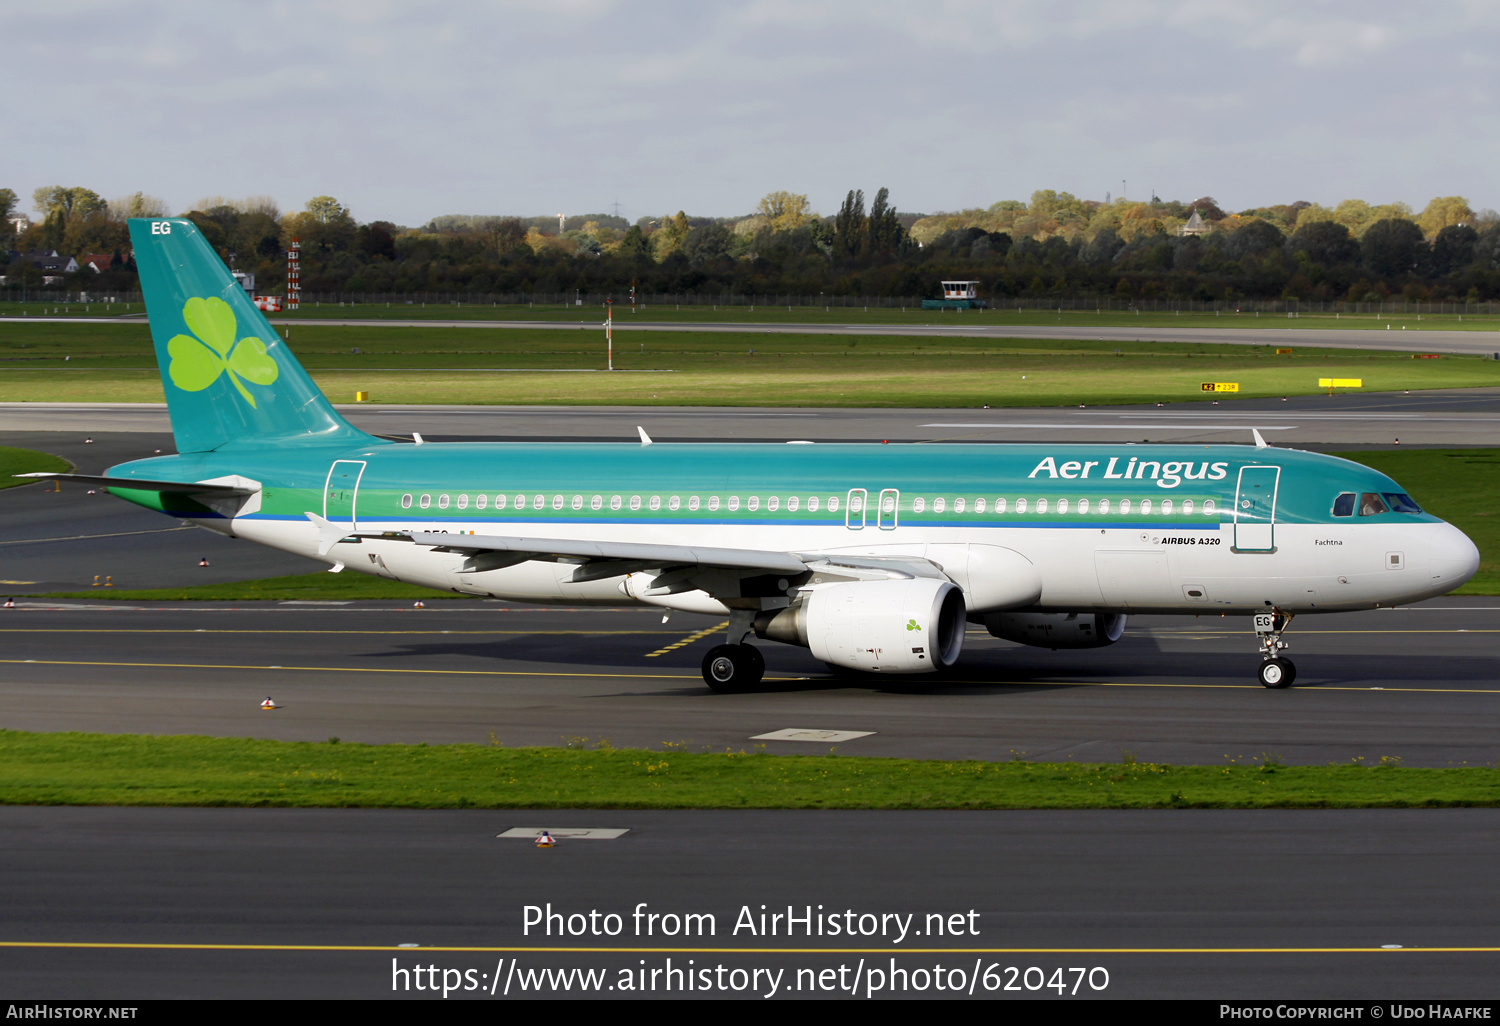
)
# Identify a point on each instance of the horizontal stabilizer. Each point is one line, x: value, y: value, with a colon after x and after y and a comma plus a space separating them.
x: 142, y: 485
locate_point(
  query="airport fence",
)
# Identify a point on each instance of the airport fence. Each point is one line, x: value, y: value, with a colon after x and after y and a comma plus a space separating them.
x: 130, y: 302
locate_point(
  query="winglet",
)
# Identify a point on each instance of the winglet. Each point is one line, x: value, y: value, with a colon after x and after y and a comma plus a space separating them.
x: 645, y: 438
x: 329, y: 534
x: 416, y: 438
x: 1260, y: 443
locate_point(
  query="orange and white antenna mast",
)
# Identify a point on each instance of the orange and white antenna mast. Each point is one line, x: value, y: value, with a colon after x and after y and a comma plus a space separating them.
x: 609, y: 331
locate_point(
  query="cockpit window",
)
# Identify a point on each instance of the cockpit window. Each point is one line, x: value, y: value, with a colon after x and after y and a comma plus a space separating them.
x: 1343, y: 506
x: 1400, y: 502
x: 1370, y: 504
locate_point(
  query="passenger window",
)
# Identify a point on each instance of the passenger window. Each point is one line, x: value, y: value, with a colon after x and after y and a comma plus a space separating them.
x: 1166, y: 507
x: 1371, y: 505
x: 939, y: 504
x: 1020, y: 505
x: 1187, y: 506
x: 442, y: 502
x: 406, y: 502
x: 1125, y: 506
x: 1041, y: 505
x: 1062, y: 505
x: 713, y: 503
x: 538, y: 501
x: 480, y: 501
x: 978, y: 505
x: 425, y: 501
x: 734, y: 503
x: 499, y: 502
x: 753, y: 503
x: 674, y: 503
x: 812, y: 504
x: 635, y: 502
x: 1083, y: 505
x: 1400, y: 502
x: 1146, y: 507
x: 773, y: 503
x: 693, y: 503
x: 959, y: 505
x: 557, y: 502
x: 833, y: 504
x: 463, y: 502
x: 578, y: 502
x: 614, y: 502
x: 999, y: 505
x: 520, y: 502
x: 1103, y: 505
x: 655, y: 503
x: 597, y: 502
x: 1343, y: 506
x: 1209, y: 507
x: 918, y: 504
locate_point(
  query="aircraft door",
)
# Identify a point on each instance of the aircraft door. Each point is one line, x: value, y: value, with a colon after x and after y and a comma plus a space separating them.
x: 1255, y: 509
x: 340, y: 492
x: 854, y: 509
x: 889, y: 510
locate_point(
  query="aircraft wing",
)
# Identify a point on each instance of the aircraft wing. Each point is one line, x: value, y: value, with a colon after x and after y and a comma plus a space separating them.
x: 640, y: 553
x: 141, y: 485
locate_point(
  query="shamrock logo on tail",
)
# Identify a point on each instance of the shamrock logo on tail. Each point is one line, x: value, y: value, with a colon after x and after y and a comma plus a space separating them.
x: 199, y: 359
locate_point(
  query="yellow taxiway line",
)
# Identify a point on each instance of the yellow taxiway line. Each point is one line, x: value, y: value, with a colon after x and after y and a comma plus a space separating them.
x: 485, y: 949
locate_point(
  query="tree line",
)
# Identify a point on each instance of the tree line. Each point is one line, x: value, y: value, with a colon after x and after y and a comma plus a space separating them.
x: 1055, y: 245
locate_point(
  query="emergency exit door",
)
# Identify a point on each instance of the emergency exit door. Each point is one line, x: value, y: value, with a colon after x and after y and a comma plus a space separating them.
x: 1255, y: 509
x: 341, y: 492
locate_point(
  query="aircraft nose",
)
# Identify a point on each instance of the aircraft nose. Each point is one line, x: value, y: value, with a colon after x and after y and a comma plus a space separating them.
x: 1454, y: 558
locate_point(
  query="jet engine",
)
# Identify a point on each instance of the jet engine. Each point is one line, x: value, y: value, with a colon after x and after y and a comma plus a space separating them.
x: 914, y: 625
x: 1057, y: 630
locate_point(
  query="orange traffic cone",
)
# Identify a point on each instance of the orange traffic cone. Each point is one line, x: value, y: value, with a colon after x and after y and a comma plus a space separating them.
x: 203, y: 561
x: 268, y: 704
x: 10, y: 603
x: 419, y: 604
x: 545, y: 840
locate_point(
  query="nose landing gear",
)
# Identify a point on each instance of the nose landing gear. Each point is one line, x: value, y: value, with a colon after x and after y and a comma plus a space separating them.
x: 1275, y: 670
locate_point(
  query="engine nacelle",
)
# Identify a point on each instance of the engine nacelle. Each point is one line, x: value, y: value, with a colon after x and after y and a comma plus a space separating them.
x: 906, y: 626
x: 1057, y: 630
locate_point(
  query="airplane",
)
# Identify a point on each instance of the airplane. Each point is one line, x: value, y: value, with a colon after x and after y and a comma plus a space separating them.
x: 872, y: 556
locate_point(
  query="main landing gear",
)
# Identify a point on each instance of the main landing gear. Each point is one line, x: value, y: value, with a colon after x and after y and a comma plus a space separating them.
x: 730, y: 668
x: 1275, y: 670
x: 735, y: 666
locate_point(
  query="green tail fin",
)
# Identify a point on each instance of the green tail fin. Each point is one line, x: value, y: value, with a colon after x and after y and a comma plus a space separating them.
x: 229, y: 378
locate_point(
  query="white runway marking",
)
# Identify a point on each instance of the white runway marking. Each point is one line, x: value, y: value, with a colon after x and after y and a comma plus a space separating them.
x: 803, y: 734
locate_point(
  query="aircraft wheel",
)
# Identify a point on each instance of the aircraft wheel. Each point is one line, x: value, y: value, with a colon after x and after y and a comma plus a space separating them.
x: 1277, y: 673
x: 731, y: 668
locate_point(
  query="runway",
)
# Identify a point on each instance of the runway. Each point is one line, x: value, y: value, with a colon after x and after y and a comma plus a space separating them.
x: 1453, y: 417
x: 1417, y: 684
x: 1211, y: 905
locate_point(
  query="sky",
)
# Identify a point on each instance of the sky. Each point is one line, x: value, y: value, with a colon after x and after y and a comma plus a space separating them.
x: 404, y: 111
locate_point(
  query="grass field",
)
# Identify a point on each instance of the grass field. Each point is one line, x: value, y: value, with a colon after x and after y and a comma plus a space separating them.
x: 27, y: 461
x: 325, y: 586
x: 115, y: 363
x: 1458, y: 485
x: 106, y: 769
